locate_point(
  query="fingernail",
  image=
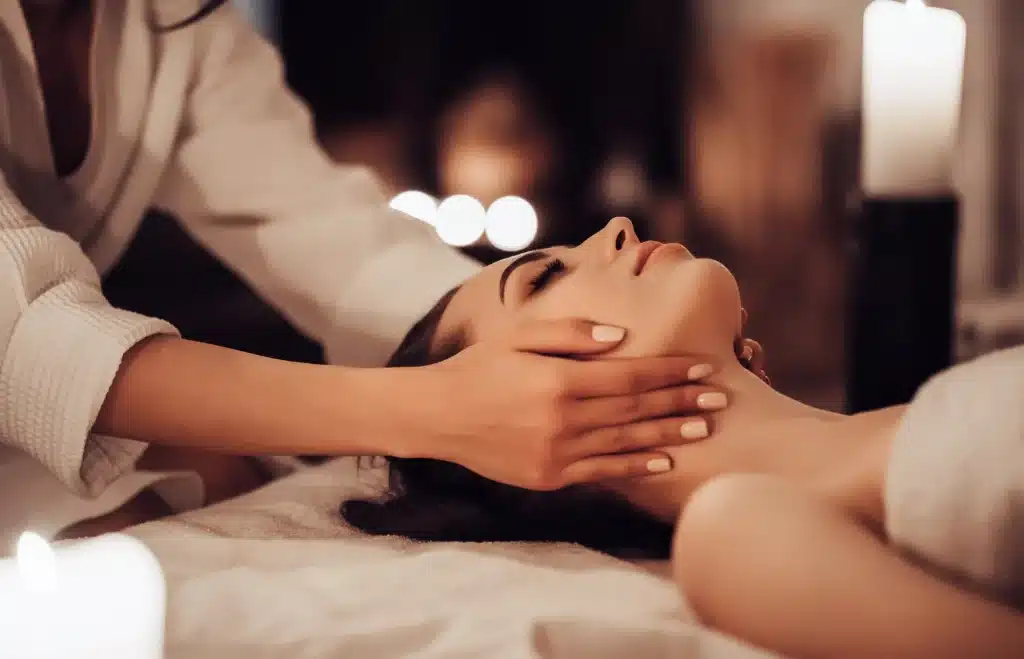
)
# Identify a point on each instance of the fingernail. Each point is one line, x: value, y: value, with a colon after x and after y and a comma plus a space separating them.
x: 694, y: 429
x: 659, y: 465
x: 608, y: 334
x: 700, y: 371
x: 747, y: 354
x: 712, y: 401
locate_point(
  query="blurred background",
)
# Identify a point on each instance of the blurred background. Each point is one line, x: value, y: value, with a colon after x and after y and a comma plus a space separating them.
x: 731, y: 125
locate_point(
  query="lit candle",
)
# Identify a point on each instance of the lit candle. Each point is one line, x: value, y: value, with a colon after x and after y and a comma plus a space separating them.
x: 913, y: 87
x: 103, y: 598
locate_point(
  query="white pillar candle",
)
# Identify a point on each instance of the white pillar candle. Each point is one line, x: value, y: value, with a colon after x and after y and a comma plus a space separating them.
x: 102, y: 598
x: 913, y: 88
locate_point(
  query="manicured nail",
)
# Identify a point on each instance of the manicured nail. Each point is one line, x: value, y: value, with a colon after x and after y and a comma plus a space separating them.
x: 700, y: 371
x: 712, y: 401
x: 694, y: 429
x: 747, y: 354
x: 608, y: 334
x: 659, y: 465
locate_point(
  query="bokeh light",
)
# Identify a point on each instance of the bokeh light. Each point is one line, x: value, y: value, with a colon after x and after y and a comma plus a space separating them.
x: 511, y: 224
x: 460, y: 220
x: 418, y: 204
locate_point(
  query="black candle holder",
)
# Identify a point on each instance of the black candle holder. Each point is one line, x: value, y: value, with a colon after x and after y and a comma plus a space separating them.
x: 902, y: 312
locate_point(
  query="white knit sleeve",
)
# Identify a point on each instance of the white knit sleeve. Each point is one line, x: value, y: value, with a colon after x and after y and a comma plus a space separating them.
x: 61, y: 344
x: 314, y: 238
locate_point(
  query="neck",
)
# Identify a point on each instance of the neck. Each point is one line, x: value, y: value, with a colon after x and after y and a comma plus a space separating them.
x: 751, y: 399
x: 766, y: 432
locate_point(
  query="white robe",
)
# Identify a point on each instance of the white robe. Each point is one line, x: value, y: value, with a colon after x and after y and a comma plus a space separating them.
x: 196, y: 122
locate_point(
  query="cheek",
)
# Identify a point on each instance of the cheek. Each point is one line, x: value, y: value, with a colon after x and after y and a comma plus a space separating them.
x: 696, y: 310
x: 613, y: 301
x: 569, y: 301
x: 557, y: 303
x: 693, y: 309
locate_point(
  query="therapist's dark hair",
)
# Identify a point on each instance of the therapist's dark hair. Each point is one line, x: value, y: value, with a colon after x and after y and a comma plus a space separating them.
x: 205, y: 10
x: 431, y: 500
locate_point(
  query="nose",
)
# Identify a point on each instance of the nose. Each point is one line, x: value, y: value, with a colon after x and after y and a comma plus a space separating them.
x: 616, y: 235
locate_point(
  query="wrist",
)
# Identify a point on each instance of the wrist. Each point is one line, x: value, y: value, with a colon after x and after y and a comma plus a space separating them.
x: 385, y: 411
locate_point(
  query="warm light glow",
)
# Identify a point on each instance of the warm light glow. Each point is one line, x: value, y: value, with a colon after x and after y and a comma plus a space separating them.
x: 460, y: 220
x: 417, y: 204
x: 36, y: 562
x: 913, y: 79
x: 103, y: 597
x: 511, y: 224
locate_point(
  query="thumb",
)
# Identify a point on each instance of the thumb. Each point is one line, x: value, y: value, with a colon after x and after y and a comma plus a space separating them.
x: 566, y: 337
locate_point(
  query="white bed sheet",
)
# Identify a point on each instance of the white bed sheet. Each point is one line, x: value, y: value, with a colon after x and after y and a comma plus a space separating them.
x: 275, y: 575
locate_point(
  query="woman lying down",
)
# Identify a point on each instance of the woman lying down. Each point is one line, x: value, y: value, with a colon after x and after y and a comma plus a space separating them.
x: 897, y: 533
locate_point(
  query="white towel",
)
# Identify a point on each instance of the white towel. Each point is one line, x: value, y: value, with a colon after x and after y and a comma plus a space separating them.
x: 955, y: 485
x: 275, y: 574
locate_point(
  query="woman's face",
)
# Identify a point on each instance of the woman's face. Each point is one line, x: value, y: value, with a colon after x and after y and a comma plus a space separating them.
x: 670, y: 302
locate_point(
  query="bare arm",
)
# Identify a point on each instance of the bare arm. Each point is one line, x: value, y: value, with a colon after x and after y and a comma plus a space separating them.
x: 175, y: 392
x: 780, y: 568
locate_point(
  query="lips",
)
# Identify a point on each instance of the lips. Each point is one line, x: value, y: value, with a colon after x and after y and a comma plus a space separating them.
x: 644, y: 253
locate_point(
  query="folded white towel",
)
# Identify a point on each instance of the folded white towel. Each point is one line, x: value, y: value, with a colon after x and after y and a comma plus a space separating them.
x: 955, y: 485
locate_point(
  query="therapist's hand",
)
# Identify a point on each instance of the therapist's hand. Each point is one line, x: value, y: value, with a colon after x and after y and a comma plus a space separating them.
x: 516, y: 413
x: 751, y: 354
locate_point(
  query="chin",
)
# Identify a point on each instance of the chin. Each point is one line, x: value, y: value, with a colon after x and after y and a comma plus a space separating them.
x: 704, y: 299
x: 719, y: 285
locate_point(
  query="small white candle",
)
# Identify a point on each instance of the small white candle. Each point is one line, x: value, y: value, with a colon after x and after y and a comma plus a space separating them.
x: 913, y: 88
x: 102, y: 598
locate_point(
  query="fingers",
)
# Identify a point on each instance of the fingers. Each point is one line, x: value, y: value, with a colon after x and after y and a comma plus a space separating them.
x: 756, y: 352
x: 751, y: 355
x: 640, y: 436
x: 659, y: 404
x: 566, y: 337
x: 750, y: 352
x: 620, y: 377
x: 616, y: 467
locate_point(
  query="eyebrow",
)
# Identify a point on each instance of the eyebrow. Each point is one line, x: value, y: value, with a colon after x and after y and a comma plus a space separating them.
x: 529, y: 257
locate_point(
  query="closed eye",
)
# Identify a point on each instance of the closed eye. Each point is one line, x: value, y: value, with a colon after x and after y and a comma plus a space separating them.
x: 544, y: 277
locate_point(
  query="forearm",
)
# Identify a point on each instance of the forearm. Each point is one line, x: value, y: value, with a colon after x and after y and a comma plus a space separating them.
x: 174, y: 392
x: 820, y: 585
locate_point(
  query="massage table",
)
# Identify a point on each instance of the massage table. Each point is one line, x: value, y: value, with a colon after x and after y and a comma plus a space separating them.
x: 276, y: 575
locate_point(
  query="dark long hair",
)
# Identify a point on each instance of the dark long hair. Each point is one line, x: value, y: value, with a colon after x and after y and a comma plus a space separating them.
x: 205, y: 10
x: 432, y: 500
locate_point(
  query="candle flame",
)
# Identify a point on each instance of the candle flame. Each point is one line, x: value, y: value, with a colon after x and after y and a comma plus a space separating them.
x: 36, y: 562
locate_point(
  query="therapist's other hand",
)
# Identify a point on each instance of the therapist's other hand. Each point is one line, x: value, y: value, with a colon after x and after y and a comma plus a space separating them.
x: 522, y: 413
x: 751, y: 354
